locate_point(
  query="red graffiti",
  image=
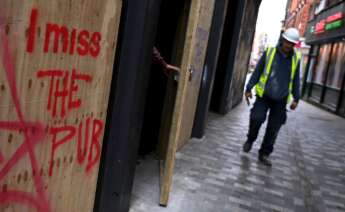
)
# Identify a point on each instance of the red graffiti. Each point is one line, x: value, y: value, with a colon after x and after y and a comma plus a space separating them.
x: 63, y: 86
x: 84, y: 42
x: 62, y: 98
x: 63, y: 89
x: 2, y: 158
x: 32, y: 31
x: 33, y: 134
x: 68, y: 133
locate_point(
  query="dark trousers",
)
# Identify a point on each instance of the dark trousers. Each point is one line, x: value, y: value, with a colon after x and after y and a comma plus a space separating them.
x: 277, y: 117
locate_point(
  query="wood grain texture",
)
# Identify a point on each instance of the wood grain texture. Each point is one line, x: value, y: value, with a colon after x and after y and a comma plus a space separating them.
x: 34, y: 180
x: 193, y: 56
x: 197, y: 64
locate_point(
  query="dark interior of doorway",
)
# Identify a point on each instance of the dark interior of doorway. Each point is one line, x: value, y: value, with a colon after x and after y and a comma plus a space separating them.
x: 161, y: 93
x: 224, y: 65
x: 169, y: 41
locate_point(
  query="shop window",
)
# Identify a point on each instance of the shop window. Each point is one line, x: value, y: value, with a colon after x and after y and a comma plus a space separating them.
x: 310, y: 71
x: 321, y: 5
x: 336, y: 68
x: 313, y: 59
x: 320, y: 71
x: 335, y: 73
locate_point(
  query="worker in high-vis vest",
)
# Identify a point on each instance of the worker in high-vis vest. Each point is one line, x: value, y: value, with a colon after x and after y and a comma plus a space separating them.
x: 277, y: 83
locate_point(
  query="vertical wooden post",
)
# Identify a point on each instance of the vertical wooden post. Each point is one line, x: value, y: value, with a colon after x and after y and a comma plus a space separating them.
x: 169, y: 163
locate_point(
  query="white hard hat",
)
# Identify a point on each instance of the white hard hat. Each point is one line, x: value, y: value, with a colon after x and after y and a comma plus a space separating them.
x: 291, y: 35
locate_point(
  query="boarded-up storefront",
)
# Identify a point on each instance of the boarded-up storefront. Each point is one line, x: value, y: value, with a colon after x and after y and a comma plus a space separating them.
x: 56, y: 60
x: 74, y: 83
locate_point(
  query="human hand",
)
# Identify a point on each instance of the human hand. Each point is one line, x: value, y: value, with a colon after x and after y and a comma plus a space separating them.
x: 293, y: 105
x: 174, y: 69
x: 248, y: 95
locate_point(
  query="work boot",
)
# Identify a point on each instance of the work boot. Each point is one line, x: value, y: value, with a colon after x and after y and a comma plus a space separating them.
x: 247, y: 146
x: 264, y: 160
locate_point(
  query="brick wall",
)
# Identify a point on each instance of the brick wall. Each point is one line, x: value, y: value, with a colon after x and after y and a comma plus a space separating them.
x: 298, y: 15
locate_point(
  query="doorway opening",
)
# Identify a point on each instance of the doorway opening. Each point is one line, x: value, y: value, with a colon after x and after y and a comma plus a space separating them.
x: 169, y: 42
x: 224, y: 65
x: 160, y: 99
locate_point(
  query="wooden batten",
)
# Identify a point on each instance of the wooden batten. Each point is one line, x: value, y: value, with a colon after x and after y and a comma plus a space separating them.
x: 56, y: 63
x: 198, y: 27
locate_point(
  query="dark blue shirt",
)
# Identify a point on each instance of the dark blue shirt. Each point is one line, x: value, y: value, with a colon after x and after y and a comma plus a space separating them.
x: 277, y: 86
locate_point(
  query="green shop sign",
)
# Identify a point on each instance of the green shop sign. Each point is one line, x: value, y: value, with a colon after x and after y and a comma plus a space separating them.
x: 331, y: 22
x: 334, y: 25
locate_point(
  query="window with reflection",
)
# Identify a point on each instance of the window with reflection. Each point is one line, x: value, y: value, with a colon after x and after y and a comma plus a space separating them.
x: 313, y: 59
x: 320, y: 71
x: 336, y: 68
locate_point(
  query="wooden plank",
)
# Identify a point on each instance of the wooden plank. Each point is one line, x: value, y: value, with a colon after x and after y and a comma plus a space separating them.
x: 197, y: 64
x: 56, y: 62
x: 168, y: 110
x: 193, y: 54
x: 170, y: 97
x: 183, y: 84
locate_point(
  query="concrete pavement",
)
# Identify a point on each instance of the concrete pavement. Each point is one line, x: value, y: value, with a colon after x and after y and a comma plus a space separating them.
x: 213, y: 174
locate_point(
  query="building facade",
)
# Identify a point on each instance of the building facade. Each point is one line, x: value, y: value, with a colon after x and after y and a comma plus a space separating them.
x: 298, y: 13
x: 325, y: 74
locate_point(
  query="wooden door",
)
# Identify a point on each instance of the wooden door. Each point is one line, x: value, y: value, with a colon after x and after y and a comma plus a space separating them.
x: 198, y: 26
x: 193, y: 71
x: 56, y: 60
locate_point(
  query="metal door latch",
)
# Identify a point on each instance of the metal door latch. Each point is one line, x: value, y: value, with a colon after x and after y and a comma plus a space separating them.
x: 191, y: 71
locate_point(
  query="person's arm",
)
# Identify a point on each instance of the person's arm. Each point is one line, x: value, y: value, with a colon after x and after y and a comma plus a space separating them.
x: 254, y: 79
x: 296, y: 84
x: 158, y: 59
x: 296, y: 88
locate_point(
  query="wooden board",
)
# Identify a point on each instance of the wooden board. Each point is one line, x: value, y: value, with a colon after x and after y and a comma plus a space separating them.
x: 196, y: 64
x: 193, y: 59
x: 172, y: 85
x: 56, y: 62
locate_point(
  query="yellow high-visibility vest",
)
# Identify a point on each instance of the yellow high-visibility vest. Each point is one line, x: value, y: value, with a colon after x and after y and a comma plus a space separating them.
x: 270, y: 54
